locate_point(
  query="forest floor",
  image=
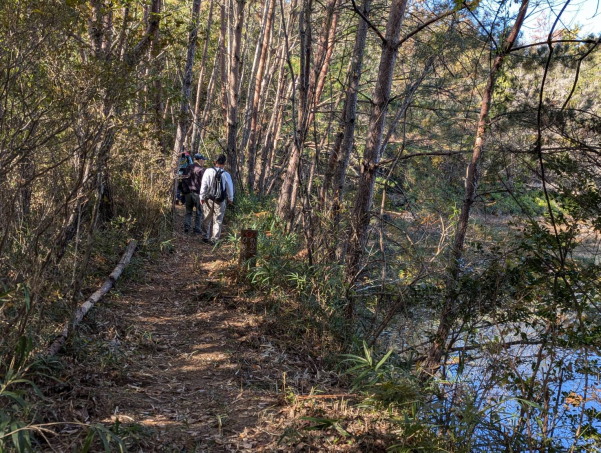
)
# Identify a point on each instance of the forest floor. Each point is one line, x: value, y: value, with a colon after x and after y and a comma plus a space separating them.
x: 179, y: 358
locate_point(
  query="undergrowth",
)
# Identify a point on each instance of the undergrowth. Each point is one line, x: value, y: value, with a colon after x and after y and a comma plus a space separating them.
x: 306, y: 299
x: 307, y: 308
x: 383, y: 404
x: 37, y: 298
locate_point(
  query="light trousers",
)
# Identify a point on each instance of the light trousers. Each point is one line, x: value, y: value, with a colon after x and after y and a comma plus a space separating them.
x: 213, y: 213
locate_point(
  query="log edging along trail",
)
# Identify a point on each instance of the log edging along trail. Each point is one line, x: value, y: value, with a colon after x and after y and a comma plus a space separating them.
x: 83, y: 309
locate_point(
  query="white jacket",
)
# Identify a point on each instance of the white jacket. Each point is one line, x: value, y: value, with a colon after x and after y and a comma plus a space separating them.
x: 207, y: 183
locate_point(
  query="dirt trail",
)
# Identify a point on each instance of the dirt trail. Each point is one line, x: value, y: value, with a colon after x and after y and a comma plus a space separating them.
x: 192, y: 372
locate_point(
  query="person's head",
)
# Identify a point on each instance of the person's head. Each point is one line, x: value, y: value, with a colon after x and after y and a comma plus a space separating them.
x: 200, y: 158
x: 220, y: 161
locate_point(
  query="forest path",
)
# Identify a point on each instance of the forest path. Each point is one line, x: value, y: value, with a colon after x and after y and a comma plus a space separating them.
x: 192, y: 371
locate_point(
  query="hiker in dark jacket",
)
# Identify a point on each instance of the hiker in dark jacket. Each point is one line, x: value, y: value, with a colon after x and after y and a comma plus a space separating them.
x: 185, y: 160
x: 193, y: 180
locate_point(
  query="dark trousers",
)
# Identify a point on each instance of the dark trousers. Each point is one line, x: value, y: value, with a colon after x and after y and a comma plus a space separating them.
x: 193, y: 204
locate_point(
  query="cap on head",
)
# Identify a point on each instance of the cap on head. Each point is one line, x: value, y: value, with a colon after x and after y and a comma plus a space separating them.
x: 221, y: 159
x: 199, y: 157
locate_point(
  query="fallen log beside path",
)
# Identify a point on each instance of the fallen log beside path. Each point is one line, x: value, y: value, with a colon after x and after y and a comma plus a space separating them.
x: 83, y: 309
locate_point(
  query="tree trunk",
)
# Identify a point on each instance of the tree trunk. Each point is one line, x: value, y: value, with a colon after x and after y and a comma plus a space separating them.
x: 26, y: 173
x: 272, y: 136
x: 233, y: 88
x: 451, y: 309
x: 158, y: 105
x: 373, y: 148
x: 203, y: 64
x: 183, y: 122
x: 287, y: 195
x: 251, y: 132
x: 318, y: 76
x: 343, y: 144
x: 324, y: 56
x: 210, y: 93
x: 272, y: 139
x: 311, y: 85
x: 223, y: 60
x: 262, y: 164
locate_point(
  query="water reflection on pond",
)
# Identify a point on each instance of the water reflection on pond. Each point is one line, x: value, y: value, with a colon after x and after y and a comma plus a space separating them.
x: 505, y: 386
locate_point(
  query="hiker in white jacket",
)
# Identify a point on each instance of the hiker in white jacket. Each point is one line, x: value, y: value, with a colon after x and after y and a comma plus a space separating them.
x: 214, y: 198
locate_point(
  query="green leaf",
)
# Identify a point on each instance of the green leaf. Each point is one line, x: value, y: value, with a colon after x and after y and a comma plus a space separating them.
x: 341, y: 430
x: 529, y: 403
x: 87, y: 443
x: 367, y: 353
x: 320, y: 423
x: 14, y: 396
x: 384, y: 359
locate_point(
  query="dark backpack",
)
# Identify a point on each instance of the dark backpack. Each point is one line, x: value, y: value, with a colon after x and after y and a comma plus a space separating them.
x: 184, y: 163
x: 217, y: 191
x: 184, y: 184
x: 184, y: 187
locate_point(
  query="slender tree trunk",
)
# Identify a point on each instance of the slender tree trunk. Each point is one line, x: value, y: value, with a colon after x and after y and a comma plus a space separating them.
x: 120, y: 47
x: 320, y: 71
x: 324, y: 56
x: 183, y: 122
x: 451, y: 308
x: 272, y: 136
x: 265, y: 105
x: 311, y: 85
x: 253, y: 75
x: 133, y: 56
x: 272, y: 139
x: 223, y: 59
x: 26, y: 173
x: 79, y: 196
x: 233, y: 92
x: 262, y: 163
x: 80, y: 270
x: 158, y: 105
x: 251, y: 132
x: 210, y: 93
x: 373, y: 149
x: 290, y: 183
x: 344, y: 140
x: 107, y: 38
x: 96, y: 27
x: 323, y: 143
x: 203, y: 64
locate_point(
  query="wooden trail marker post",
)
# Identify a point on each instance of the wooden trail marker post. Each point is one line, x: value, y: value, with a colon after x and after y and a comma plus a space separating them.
x: 248, y: 247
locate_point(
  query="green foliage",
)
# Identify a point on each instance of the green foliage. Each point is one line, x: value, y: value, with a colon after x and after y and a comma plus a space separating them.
x: 16, y: 429
x: 382, y: 381
x: 399, y: 397
x: 520, y: 202
x: 308, y: 298
x: 108, y: 438
x: 319, y: 423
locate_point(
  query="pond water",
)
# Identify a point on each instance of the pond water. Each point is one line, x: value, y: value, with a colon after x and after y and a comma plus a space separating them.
x: 517, y: 387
